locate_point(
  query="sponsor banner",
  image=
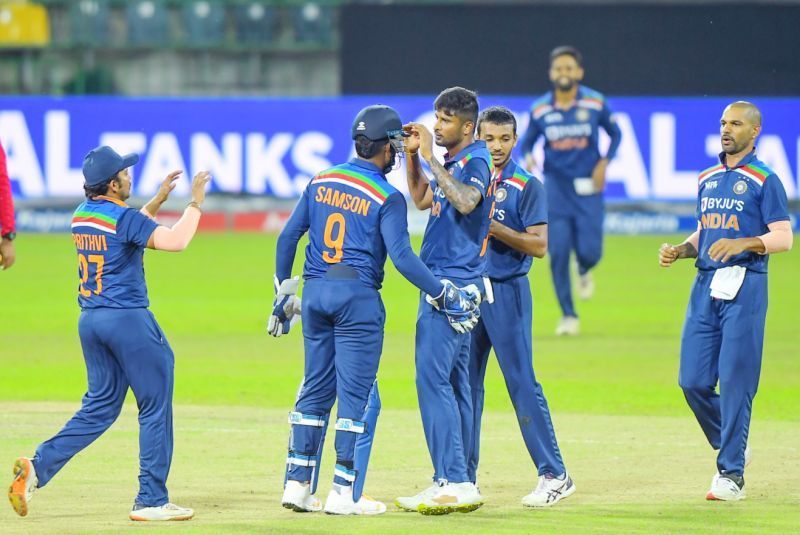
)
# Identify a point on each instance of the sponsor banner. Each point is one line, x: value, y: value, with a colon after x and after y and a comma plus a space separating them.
x: 274, y: 146
x: 273, y: 221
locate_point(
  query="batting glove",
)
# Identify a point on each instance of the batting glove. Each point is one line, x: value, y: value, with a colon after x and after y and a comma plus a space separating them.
x: 459, y: 305
x: 286, y: 308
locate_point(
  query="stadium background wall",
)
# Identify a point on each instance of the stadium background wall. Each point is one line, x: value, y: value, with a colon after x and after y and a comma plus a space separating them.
x: 710, y: 49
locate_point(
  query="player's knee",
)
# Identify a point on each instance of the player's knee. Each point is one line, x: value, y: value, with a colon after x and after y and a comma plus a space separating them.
x: 694, y: 389
x: 590, y: 257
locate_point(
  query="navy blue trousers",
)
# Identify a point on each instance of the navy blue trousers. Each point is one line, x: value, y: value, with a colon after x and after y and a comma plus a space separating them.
x: 343, y: 330
x: 721, y: 345
x: 581, y: 231
x: 445, y: 401
x: 506, y: 326
x: 122, y: 348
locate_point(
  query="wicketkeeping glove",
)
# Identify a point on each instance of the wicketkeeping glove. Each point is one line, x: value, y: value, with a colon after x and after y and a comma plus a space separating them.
x: 459, y: 305
x: 286, y: 308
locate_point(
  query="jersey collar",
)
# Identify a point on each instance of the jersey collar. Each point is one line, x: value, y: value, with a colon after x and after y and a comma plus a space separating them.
x: 746, y: 160
x: 364, y: 164
x: 508, y: 171
x: 472, y: 147
x: 110, y: 199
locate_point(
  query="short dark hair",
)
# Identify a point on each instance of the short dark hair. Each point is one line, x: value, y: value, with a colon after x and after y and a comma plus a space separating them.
x: 366, y: 148
x: 497, y: 115
x: 458, y: 101
x: 559, y: 51
x: 96, y: 190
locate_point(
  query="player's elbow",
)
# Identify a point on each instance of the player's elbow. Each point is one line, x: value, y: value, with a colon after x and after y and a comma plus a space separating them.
x: 166, y: 239
x: 538, y: 250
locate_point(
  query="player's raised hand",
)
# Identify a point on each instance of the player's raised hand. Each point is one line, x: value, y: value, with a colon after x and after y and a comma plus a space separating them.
x: 425, y: 139
x: 199, y: 183
x: 412, y: 141
x: 667, y: 255
x: 167, y: 185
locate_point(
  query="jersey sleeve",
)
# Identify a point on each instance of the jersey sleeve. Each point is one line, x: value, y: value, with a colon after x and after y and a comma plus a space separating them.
x: 476, y: 174
x: 530, y: 136
x: 533, y: 204
x: 135, y: 227
x: 774, y: 205
x: 609, y: 124
x: 296, y: 226
x: 394, y: 230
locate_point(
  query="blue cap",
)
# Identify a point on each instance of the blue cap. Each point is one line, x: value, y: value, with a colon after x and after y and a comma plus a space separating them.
x: 103, y: 163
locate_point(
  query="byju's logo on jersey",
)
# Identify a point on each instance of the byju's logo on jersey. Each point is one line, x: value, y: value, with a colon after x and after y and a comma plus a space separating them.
x: 740, y: 187
x: 361, y: 126
x: 501, y: 194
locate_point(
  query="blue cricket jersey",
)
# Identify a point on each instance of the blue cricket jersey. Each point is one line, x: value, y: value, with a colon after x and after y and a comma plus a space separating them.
x: 738, y: 203
x: 110, y: 238
x: 454, y: 244
x: 571, y: 140
x: 519, y: 202
x: 353, y: 217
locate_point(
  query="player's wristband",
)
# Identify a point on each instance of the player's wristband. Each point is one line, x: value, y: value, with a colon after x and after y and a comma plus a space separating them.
x: 195, y: 205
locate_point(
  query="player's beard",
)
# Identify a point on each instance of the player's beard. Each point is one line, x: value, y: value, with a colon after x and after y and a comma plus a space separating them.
x: 564, y: 83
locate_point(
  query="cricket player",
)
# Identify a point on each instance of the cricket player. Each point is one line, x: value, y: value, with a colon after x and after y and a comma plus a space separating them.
x: 742, y: 219
x: 570, y: 117
x: 353, y: 217
x: 454, y: 245
x: 123, y: 346
x: 7, y: 224
x: 518, y: 233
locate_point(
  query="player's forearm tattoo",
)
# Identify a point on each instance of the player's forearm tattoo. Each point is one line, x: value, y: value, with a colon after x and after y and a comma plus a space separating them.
x: 465, y: 198
x: 687, y: 250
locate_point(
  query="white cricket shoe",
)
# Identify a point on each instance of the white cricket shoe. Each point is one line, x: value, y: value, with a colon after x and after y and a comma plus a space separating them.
x: 412, y: 503
x: 340, y: 502
x: 168, y: 511
x: 568, y: 326
x: 23, y: 485
x: 452, y: 497
x: 297, y: 497
x: 549, y: 491
x: 585, y: 286
x: 725, y: 487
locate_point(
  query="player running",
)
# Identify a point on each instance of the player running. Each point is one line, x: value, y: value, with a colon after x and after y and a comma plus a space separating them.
x: 570, y: 117
x: 353, y: 217
x: 518, y: 232
x: 742, y: 218
x: 123, y: 345
x: 459, y: 198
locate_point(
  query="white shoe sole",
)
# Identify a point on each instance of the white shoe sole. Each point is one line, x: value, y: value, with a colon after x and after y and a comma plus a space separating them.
x: 138, y: 518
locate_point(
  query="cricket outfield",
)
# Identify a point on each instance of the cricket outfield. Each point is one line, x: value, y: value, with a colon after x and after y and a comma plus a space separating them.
x: 638, y: 458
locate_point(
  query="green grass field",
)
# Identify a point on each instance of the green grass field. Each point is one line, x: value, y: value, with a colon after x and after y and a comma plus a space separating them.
x: 639, y: 460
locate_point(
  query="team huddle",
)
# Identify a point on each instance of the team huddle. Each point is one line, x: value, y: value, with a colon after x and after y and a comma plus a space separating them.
x: 488, y: 218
